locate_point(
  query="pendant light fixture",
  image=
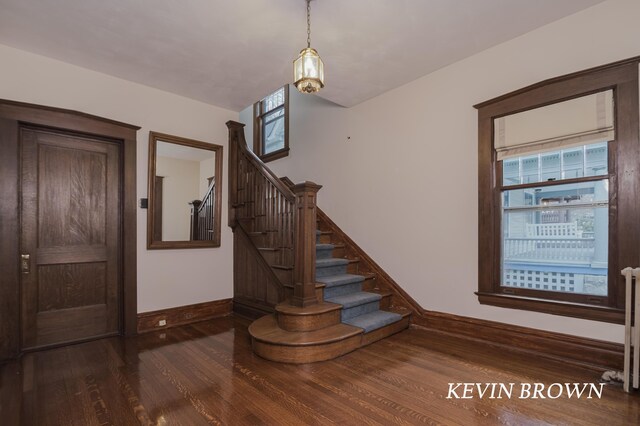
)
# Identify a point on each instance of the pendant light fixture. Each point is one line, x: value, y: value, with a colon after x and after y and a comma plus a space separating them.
x: 308, y: 69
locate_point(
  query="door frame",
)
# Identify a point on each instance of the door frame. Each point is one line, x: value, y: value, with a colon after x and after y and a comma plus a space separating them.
x: 13, y: 115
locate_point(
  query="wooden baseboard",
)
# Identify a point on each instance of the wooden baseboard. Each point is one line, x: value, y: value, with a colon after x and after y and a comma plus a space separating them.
x: 588, y: 353
x: 182, y: 315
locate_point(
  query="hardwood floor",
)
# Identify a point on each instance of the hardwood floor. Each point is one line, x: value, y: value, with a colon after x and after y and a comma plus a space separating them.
x: 206, y: 374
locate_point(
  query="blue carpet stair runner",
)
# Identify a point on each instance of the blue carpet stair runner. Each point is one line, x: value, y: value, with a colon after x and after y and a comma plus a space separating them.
x: 359, y: 308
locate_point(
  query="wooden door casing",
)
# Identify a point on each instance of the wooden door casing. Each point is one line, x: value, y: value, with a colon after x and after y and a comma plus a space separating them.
x: 71, y: 229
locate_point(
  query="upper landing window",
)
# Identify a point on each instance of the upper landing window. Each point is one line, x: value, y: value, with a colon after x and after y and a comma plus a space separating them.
x: 271, y: 125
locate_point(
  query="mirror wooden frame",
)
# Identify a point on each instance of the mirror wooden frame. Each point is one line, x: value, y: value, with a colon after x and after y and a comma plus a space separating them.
x: 152, y: 243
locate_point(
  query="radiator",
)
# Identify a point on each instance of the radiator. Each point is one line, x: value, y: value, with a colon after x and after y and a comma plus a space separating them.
x: 631, y: 373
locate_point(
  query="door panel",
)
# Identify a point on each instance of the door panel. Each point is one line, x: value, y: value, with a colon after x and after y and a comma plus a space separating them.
x: 70, y: 216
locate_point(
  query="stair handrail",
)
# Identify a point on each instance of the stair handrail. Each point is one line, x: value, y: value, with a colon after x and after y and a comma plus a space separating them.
x: 237, y: 142
x: 294, y: 211
x: 209, y: 194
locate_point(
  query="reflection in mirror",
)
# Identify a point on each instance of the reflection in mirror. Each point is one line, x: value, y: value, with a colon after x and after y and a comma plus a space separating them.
x: 184, y: 192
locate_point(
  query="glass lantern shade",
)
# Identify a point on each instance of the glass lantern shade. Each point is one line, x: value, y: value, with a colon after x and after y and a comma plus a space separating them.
x: 308, y: 71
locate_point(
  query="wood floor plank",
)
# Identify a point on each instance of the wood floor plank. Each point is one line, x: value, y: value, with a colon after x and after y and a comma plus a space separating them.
x: 206, y: 373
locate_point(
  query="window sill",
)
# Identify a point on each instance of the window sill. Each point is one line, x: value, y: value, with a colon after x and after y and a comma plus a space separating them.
x: 567, y: 309
x: 281, y: 153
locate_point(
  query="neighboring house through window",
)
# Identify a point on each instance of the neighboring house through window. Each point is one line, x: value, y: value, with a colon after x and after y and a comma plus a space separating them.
x: 271, y: 125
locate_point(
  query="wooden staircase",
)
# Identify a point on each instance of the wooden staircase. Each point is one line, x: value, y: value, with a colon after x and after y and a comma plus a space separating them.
x: 278, y: 234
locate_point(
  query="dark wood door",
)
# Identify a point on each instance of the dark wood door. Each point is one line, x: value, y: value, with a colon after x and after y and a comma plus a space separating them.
x: 70, y: 229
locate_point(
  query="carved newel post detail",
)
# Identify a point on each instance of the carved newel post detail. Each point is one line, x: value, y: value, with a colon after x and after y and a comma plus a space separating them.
x: 304, y: 273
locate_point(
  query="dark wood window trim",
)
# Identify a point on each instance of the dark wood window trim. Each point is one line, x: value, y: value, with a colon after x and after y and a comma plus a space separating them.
x: 624, y: 178
x: 258, y: 136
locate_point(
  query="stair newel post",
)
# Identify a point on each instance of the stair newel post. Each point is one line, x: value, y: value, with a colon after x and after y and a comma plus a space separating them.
x: 236, y: 132
x: 304, y: 271
x: 195, y: 222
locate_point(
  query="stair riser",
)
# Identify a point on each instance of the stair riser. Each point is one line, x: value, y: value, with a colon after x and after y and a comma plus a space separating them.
x: 341, y: 290
x: 308, y: 322
x: 369, y: 284
x: 323, y: 239
x: 339, y: 252
x: 385, y: 302
x: 360, y: 310
x: 330, y: 270
x: 353, y: 268
x: 324, y: 253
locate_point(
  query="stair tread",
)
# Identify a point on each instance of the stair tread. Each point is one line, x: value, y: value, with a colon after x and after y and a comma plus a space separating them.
x: 340, y: 279
x: 355, y: 299
x: 334, y: 261
x: 373, y: 320
x: 325, y: 246
x: 266, y: 329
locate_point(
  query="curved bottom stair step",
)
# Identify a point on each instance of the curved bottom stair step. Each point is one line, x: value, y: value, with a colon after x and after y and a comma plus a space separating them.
x: 296, y: 347
x: 300, y: 347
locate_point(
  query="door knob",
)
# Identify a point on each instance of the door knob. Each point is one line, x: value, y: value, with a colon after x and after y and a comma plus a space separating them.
x: 25, y: 264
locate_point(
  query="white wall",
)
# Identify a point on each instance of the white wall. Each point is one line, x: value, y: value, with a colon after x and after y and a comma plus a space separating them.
x: 180, y: 186
x: 166, y: 278
x: 404, y: 186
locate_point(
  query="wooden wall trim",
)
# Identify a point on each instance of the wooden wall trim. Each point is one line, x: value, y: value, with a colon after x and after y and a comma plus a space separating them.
x: 9, y: 241
x: 624, y: 205
x: 588, y: 353
x: 183, y: 315
x: 560, y: 79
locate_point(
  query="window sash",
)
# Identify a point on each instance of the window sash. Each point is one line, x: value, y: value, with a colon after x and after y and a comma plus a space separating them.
x: 266, y: 113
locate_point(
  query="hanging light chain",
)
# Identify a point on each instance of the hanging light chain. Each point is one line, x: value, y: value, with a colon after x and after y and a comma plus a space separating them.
x: 308, y: 69
x: 308, y: 23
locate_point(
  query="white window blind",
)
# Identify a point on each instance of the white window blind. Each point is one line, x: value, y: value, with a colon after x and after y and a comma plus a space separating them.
x: 575, y: 122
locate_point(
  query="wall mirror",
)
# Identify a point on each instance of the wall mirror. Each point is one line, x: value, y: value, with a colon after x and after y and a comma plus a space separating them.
x: 185, y: 189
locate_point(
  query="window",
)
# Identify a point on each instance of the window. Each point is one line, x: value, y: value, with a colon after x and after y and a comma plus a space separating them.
x: 558, y: 210
x: 271, y: 125
x: 558, y: 228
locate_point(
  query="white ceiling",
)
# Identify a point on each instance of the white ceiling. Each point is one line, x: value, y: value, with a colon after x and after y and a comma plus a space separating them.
x: 231, y: 53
